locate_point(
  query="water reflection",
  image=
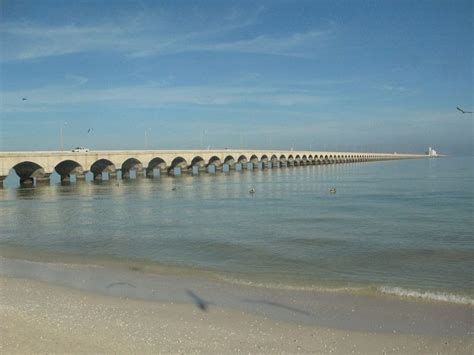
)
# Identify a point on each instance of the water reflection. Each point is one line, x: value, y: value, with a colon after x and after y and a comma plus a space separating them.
x: 291, y: 229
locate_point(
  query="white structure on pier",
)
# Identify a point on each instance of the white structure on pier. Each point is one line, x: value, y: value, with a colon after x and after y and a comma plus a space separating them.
x: 431, y: 152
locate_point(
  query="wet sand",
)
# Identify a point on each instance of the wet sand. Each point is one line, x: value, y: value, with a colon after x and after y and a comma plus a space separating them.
x: 81, y: 307
x: 42, y: 318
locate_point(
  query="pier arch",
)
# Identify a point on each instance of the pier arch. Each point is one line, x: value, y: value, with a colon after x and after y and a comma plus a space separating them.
x: 304, y: 160
x: 28, y: 171
x: 291, y: 160
x: 102, y: 166
x: 131, y: 164
x: 297, y: 160
x: 198, y: 161
x: 155, y: 163
x: 178, y: 162
x: 254, y: 160
x: 274, y: 160
x: 229, y: 160
x: 214, y: 160
x: 66, y: 168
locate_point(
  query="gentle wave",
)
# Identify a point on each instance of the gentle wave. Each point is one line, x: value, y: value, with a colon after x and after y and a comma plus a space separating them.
x: 280, y: 286
x: 428, y: 296
x: 385, y: 290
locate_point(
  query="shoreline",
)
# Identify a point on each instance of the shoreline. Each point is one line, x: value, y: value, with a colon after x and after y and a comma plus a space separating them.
x: 156, y: 283
x: 400, y: 293
x: 39, y: 317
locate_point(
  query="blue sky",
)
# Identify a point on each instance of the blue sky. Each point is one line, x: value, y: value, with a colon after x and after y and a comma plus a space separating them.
x: 339, y: 75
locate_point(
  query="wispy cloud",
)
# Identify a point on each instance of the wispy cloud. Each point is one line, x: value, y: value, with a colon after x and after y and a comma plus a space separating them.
x: 58, y: 97
x: 135, y: 38
x: 295, y: 45
x: 77, y: 79
x: 393, y: 88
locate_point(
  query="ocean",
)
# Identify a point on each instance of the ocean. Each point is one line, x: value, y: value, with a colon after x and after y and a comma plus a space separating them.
x: 396, y: 228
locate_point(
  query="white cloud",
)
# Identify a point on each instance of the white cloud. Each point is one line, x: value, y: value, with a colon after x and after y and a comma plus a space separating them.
x: 155, y: 95
x: 297, y: 44
x: 23, y: 41
x: 77, y: 79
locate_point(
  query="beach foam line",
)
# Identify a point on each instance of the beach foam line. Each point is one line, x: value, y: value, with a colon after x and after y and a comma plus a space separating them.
x: 384, y: 290
x: 426, y: 295
x: 280, y: 286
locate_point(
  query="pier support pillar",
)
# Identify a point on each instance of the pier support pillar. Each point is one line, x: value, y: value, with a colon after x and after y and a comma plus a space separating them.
x: 42, y: 180
x: 2, y: 178
x: 125, y: 174
x: 150, y: 173
x: 80, y: 177
x: 98, y: 176
x: 66, y: 178
x: 27, y: 181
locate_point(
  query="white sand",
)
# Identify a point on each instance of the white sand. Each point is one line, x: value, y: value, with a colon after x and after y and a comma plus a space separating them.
x: 37, y: 317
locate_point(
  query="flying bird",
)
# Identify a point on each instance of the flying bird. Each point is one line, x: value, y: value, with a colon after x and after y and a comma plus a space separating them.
x: 90, y: 130
x: 460, y: 109
x: 24, y: 99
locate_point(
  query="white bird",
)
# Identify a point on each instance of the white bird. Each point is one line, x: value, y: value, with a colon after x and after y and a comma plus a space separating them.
x: 252, y: 190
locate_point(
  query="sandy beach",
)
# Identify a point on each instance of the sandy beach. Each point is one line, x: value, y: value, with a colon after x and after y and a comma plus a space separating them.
x: 42, y: 318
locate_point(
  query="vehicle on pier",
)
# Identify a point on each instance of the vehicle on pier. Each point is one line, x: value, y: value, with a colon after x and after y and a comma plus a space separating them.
x: 80, y: 150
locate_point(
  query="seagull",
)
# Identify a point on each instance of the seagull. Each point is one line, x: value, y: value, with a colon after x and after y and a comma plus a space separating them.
x: 459, y: 109
x: 252, y: 190
x: 90, y: 130
x: 24, y: 99
x: 332, y: 190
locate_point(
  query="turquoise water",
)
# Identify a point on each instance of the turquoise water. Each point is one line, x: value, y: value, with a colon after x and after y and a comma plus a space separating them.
x: 398, y: 227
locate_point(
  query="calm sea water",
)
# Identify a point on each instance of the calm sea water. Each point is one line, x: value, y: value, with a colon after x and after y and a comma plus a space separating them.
x: 400, y: 227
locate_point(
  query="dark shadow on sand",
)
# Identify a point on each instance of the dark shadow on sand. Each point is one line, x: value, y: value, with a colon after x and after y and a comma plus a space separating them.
x: 279, y: 305
x: 198, y: 301
x: 114, y: 284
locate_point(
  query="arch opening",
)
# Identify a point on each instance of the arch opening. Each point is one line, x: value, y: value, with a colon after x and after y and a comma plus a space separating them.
x: 242, y: 159
x: 254, y: 159
x: 216, y: 161
x: 28, y: 171
x: 229, y: 160
x: 179, y: 162
x: 198, y: 161
x: 66, y: 168
x: 102, y: 166
x: 131, y: 164
x: 155, y: 163
x: 178, y: 165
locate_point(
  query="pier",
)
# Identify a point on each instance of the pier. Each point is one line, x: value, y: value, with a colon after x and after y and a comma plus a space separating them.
x: 36, y: 167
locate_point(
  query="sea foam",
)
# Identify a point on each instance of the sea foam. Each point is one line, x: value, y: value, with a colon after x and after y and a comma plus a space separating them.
x: 430, y: 296
x: 426, y: 295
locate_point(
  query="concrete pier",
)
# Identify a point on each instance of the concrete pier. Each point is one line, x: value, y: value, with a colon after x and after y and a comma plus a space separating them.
x: 38, y: 166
